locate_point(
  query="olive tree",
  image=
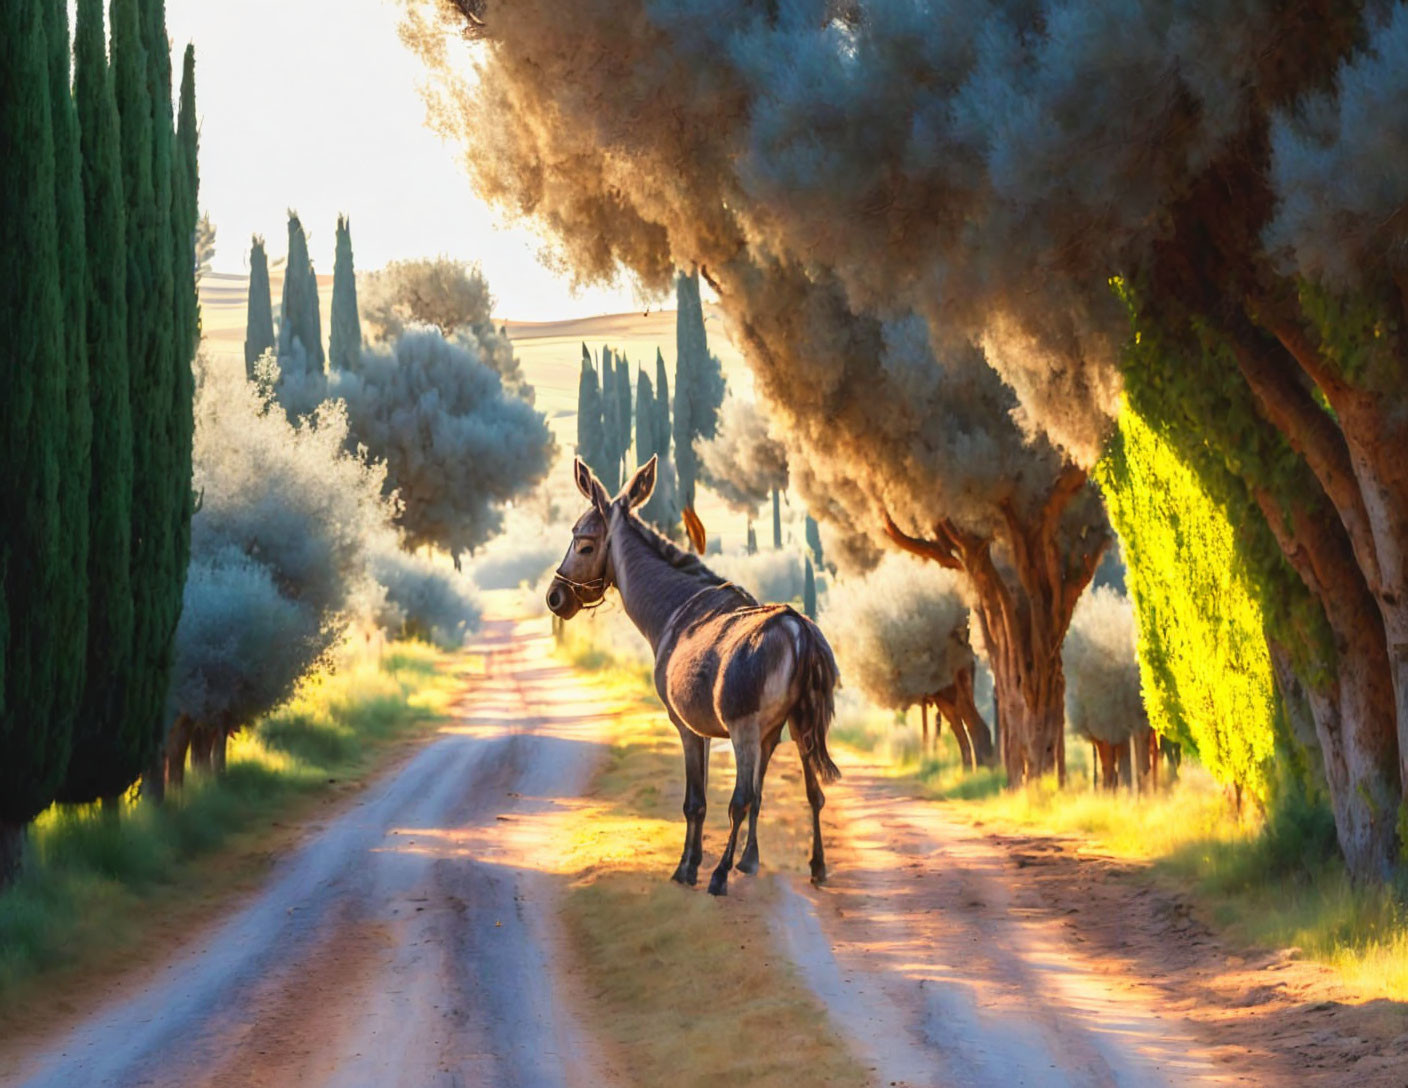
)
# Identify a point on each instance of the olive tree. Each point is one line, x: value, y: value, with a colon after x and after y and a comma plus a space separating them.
x: 901, y: 633
x: 997, y: 169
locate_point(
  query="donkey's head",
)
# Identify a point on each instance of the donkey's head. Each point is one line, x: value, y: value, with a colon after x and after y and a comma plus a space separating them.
x: 585, y: 572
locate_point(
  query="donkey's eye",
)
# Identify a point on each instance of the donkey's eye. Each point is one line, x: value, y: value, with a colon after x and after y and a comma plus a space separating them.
x: 587, y: 549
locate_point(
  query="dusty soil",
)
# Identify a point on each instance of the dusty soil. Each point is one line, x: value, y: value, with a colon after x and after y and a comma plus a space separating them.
x: 951, y: 954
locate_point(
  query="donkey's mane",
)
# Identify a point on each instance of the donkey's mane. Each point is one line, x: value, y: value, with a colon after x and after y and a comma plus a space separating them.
x: 683, y: 561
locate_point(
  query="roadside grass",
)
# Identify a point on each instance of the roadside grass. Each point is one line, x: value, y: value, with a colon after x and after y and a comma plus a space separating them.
x: 686, y: 989
x: 1265, y: 880
x: 98, y: 882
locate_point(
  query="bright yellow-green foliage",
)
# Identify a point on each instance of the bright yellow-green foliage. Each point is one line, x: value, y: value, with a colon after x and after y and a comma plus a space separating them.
x: 1203, y: 662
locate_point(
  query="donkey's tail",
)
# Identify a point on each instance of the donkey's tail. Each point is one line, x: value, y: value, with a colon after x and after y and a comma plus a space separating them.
x: 816, y: 705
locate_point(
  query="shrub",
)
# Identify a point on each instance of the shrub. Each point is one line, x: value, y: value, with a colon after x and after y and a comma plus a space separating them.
x: 1103, y: 700
x: 424, y: 599
x: 900, y: 632
x: 454, y: 444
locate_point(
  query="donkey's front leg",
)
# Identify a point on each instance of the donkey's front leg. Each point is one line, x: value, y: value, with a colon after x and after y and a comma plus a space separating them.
x: 746, y: 755
x: 696, y: 801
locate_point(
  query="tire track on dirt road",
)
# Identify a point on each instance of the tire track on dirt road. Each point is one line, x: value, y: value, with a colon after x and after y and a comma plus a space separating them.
x: 940, y: 973
x: 406, y: 943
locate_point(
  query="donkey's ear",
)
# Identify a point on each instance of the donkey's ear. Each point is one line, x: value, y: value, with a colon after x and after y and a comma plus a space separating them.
x: 641, y: 485
x: 589, y: 485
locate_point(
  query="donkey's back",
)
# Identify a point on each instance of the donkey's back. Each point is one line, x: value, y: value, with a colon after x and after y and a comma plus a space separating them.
x: 734, y: 666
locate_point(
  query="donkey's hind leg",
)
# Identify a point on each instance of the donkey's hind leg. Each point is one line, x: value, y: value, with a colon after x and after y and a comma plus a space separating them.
x: 749, y: 863
x: 696, y: 802
x: 817, y: 800
x: 746, y: 751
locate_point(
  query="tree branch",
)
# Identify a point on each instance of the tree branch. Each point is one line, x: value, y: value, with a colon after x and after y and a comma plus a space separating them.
x: 1312, y: 433
x: 1273, y: 313
x: 932, y: 550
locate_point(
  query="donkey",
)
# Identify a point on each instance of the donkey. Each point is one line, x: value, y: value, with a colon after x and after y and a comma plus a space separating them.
x: 725, y: 665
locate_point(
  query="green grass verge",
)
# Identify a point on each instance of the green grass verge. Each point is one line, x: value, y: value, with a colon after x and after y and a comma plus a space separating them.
x: 92, y: 878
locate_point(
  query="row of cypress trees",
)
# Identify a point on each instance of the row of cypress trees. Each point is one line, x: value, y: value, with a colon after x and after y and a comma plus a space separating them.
x: 604, y: 409
x: 299, y: 340
x: 604, y: 415
x: 98, y: 326
x: 699, y: 384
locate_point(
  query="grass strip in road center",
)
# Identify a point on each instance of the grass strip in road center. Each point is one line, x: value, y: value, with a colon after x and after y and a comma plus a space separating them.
x: 685, y: 989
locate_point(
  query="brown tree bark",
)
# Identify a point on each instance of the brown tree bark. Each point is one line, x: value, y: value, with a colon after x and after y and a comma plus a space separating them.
x: 178, y: 742
x: 944, y: 702
x: 202, y: 747
x: 1146, y: 761
x: 1125, y: 760
x: 11, y: 852
x: 1354, y: 713
x: 1357, y: 454
x: 1210, y: 264
x: 1024, y: 613
x: 1105, y: 754
x: 983, y: 752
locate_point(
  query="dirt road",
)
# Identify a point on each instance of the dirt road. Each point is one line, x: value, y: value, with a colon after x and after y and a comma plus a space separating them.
x: 414, y: 941
x: 941, y: 972
x: 405, y: 944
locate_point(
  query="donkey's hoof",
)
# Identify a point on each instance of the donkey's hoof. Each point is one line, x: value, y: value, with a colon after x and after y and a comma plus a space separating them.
x: 748, y: 866
x: 679, y: 876
x: 818, y: 874
x: 718, y: 885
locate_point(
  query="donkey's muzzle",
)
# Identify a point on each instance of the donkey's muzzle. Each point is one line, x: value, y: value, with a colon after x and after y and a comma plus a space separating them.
x: 561, y: 600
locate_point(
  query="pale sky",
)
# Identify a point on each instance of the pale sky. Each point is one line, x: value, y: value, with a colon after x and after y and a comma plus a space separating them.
x: 313, y: 105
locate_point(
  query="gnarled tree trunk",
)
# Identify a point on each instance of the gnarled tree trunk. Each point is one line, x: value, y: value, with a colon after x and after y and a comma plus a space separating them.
x: 11, y: 852
x: 1354, y: 712
x: 945, y: 704
x: 178, y: 743
x: 1024, y: 612
x: 983, y: 751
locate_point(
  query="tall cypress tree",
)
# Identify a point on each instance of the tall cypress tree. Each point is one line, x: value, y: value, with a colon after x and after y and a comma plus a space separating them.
x: 187, y: 206
x: 662, y: 407
x: 161, y: 563
x: 590, y: 439
x: 776, y: 518
x: 300, y: 318
x: 107, y: 753
x: 179, y: 435
x: 146, y: 375
x: 157, y: 356
x: 34, y: 427
x: 345, y: 343
x: 622, y: 390
x: 607, y: 464
x: 259, y: 320
x: 646, y: 442
x: 699, y: 383
x: 74, y: 455
x: 689, y: 331
x: 809, y: 591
